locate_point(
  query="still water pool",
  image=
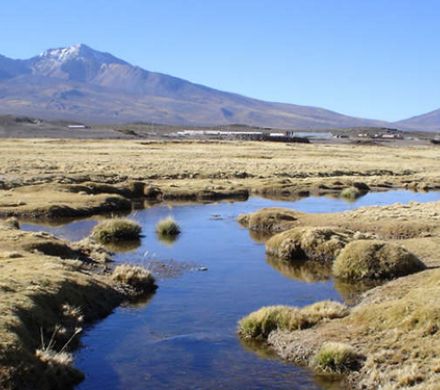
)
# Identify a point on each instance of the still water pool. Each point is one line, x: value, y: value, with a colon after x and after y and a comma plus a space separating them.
x: 184, y: 336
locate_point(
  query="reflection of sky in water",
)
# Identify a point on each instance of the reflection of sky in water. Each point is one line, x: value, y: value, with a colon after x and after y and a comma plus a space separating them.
x: 184, y: 337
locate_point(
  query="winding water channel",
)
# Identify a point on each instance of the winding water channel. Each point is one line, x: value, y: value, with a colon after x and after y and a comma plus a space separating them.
x: 184, y: 336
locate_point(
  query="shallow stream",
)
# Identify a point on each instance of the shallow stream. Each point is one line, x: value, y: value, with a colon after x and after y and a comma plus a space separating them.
x: 184, y: 336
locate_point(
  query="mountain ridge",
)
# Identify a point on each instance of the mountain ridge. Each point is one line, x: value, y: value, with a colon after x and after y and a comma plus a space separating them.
x: 80, y: 83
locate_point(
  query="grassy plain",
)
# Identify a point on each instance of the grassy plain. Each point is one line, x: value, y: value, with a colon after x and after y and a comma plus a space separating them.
x: 50, y: 179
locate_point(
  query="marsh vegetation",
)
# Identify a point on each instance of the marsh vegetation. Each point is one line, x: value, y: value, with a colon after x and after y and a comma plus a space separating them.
x: 167, y: 228
x: 116, y: 230
x: 392, y: 325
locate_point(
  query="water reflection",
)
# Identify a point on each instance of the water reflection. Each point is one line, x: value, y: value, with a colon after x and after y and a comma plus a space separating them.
x: 260, y: 237
x: 123, y: 246
x: 263, y: 351
x: 140, y: 302
x: 258, y: 347
x: 166, y: 239
x: 307, y: 271
x: 351, y: 293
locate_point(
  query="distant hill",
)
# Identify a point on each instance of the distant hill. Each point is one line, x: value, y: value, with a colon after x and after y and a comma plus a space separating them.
x: 427, y: 122
x: 79, y: 83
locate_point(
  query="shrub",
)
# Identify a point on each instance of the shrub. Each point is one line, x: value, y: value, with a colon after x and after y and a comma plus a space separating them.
x: 336, y: 358
x: 262, y: 322
x: 139, y: 278
x: 374, y: 260
x: 167, y: 227
x: 117, y: 229
x: 314, y: 243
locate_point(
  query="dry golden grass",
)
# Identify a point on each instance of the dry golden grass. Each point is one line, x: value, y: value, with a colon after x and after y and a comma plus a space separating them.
x: 116, y: 230
x: 161, y: 160
x: 62, y: 178
x: 336, y: 358
x: 374, y: 260
x: 308, y: 243
x: 50, y: 201
x: 38, y: 275
x: 71, y: 178
x: 395, y: 327
x: 269, y: 220
x: 186, y: 168
x: 262, y: 322
x: 167, y: 227
x: 139, y: 278
x: 351, y: 193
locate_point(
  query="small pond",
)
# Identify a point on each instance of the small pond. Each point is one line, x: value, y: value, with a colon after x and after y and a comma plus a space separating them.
x: 184, y: 337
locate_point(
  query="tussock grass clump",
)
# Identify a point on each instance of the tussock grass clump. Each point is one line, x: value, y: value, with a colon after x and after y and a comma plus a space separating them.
x: 52, y: 357
x: 336, y: 358
x: 167, y: 227
x: 138, y: 278
x: 269, y: 220
x: 116, y: 229
x: 262, y: 322
x: 374, y: 260
x: 318, y: 311
x: 12, y: 223
x: 352, y: 193
x: 314, y: 243
x: 59, y: 368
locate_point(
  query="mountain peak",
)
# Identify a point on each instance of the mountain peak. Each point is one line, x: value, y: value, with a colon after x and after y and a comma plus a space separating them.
x: 76, y: 62
x: 65, y: 52
x: 78, y: 51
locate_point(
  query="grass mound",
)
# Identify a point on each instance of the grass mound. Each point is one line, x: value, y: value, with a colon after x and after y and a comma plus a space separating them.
x: 374, y: 260
x: 269, y: 220
x: 11, y: 223
x: 352, y: 193
x: 117, y: 229
x: 138, y: 278
x: 262, y: 322
x: 336, y: 358
x: 314, y: 243
x: 167, y: 227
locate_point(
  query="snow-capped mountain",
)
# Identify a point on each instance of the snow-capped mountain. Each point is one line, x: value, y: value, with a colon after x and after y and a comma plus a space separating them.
x: 78, y: 82
x: 75, y: 63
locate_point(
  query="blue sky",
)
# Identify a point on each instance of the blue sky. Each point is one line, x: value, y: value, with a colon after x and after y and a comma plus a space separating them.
x: 370, y: 58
